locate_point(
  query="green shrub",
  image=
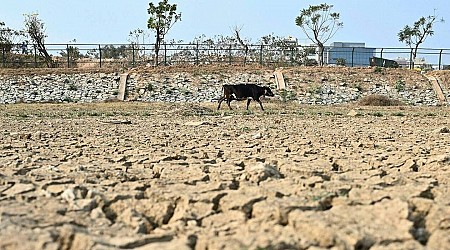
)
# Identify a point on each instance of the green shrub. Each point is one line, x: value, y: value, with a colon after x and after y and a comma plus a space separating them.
x: 245, y: 129
x: 398, y: 114
x: 67, y: 99
x: 341, y: 62
x: 149, y: 87
x: 73, y: 87
x: 377, y: 114
x: 378, y: 70
x: 315, y: 89
x: 400, y: 85
x: 287, y: 95
x: 185, y: 91
x: 358, y: 87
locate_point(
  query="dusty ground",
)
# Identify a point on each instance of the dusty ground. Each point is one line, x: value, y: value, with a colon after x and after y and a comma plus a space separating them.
x: 163, y: 176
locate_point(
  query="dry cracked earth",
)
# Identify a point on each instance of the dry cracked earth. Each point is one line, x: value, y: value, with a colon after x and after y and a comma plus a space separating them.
x: 185, y: 176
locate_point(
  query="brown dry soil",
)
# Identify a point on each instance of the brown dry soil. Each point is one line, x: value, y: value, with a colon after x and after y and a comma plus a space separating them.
x: 185, y: 176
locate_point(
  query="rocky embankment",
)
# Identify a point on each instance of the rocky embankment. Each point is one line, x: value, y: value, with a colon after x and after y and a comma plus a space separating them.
x: 305, y: 85
x: 183, y: 176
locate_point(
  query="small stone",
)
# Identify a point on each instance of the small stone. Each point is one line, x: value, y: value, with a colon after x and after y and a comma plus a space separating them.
x: 196, y: 123
x: 240, y: 164
x: 68, y: 195
x: 257, y: 136
x: 192, y: 223
x: 353, y: 113
x: 410, y: 165
x: 37, y: 135
x: 84, y: 204
x: 443, y: 130
x: 25, y: 136
x: 261, y: 172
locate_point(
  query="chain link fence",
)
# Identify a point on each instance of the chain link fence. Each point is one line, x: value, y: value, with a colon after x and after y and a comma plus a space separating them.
x: 132, y: 55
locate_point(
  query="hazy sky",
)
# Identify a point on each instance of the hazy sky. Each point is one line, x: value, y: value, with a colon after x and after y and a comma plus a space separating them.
x: 375, y: 22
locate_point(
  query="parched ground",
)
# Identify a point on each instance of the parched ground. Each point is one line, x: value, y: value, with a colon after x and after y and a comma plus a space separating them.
x: 185, y: 176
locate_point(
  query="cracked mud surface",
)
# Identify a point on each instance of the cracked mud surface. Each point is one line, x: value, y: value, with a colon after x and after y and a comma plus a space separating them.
x: 164, y: 176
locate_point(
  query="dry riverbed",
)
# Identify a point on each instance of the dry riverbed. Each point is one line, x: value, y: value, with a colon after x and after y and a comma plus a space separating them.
x: 185, y: 176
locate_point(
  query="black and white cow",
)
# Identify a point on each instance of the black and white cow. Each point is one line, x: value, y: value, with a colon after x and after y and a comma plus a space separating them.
x: 244, y: 92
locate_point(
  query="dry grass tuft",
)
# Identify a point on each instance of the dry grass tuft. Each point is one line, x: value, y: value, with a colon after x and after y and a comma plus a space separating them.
x: 379, y: 100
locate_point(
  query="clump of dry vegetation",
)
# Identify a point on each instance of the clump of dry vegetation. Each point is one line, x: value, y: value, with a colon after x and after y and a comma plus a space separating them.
x: 379, y: 100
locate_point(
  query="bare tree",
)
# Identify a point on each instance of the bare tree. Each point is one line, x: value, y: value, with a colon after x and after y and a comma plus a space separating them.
x: 135, y: 37
x: 35, y: 29
x: 236, y: 31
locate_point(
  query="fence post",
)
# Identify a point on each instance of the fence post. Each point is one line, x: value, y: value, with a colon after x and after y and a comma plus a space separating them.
x: 440, y: 59
x: 245, y: 56
x: 261, y: 55
x: 229, y: 54
x: 382, y: 60
x: 165, y: 54
x: 100, y: 54
x: 4, y: 56
x: 411, y: 62
x: 196, y: 55
x: 68, y: 56
x: 132, y: 51
x: 35, y: 56
x: 353, y: 52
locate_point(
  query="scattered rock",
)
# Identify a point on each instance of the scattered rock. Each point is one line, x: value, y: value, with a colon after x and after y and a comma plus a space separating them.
x: 199, y: 123
x: 257, y: 136
x: 353, y: 113
x: 118, y: 121
x: 443, y: 130
x: 260, y: 172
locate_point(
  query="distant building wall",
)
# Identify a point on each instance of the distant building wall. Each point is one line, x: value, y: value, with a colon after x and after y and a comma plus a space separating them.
x: 353, y: 54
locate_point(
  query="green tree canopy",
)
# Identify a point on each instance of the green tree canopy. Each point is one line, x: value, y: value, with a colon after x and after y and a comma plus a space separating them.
x: 416, y: 35
x: 8, y: 37
x: 319, y: 24
x: 162, y: 18
x: 109, y: 51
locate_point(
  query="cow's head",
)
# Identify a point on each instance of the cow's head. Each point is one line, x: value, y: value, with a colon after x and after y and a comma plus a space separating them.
x: 268, y: 92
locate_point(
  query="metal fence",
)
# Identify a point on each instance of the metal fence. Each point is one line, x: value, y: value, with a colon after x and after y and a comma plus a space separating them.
x: 131, y: 55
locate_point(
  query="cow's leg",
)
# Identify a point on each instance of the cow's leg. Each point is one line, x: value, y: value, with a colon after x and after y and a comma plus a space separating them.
x: 220, y: 101
x: 248, y: 102
x: 260, y: 104
x: 229, y: 101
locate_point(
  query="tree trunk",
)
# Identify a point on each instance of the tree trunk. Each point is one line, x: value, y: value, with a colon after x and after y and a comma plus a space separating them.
x: 321, y: 49
x: 415, y: 51
x: 43, y: 51
x: 157, y: 47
